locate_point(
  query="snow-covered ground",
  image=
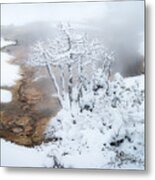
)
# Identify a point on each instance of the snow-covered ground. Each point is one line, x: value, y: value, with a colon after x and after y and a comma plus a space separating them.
x: 19, y: 156
x: 6, y: 96
x: 5, y: 43
x: 135, y: 80
x: 108, y: 138
x: 9, y: 72
x: 12, y: 154
x: 111, y: 136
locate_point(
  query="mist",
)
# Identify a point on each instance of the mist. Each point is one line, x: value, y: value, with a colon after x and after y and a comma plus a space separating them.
x: 119, y: 25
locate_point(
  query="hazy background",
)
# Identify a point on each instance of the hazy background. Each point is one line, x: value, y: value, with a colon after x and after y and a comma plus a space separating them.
x: 120, y: 25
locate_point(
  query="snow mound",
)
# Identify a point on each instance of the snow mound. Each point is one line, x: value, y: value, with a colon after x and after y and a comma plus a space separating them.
x: 6, y: 96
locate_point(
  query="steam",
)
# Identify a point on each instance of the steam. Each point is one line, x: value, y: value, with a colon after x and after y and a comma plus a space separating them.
x: 119, y: 24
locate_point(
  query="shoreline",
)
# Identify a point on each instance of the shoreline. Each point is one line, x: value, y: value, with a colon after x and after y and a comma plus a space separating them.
x: 22, y: 121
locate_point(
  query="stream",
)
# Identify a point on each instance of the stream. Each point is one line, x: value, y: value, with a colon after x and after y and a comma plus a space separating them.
x: 12, y: 154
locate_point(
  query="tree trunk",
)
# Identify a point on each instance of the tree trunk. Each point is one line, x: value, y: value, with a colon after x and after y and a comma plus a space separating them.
x: 54, y: 81
x: 80, y: 93
x: 62, y: 79
x: 70, y: 84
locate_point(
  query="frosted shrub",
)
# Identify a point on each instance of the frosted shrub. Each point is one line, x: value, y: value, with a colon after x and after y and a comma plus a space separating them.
x: 112, y: 135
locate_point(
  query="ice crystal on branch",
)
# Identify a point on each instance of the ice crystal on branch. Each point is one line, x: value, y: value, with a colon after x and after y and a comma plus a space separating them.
x: 70, y: 50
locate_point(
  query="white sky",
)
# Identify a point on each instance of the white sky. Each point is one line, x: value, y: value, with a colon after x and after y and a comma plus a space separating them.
x: 20, y: 14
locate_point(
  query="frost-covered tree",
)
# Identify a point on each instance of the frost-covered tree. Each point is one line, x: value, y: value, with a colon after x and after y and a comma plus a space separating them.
x: 39, y: 57
x: 74, y: 52
x: 98, y: 114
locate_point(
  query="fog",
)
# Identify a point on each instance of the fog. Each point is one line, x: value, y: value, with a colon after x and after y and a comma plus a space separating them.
x: 120, y: 25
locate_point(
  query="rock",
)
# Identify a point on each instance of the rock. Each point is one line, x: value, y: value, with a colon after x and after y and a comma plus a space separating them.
x: 28, y: 130
x: 6, y: 120
x: 31, y: 95
x: 40, y: 127
x: 23, y: 121
x: 17, y: 130
x: 21, y: 140
x: 25, y: 107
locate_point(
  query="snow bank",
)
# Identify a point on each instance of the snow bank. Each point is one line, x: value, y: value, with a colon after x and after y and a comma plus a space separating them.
x: 6, y: 96
x: 5, y: 43
x: 19, y: 156
x: 9, y: 72
x: 139, y: 80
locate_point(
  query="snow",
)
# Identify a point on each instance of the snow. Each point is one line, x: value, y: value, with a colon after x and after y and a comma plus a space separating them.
x: 20, y: 156
x: 86, y: 142
x: 12, y: 154
x: 137, y: 79
x: 5, y: 43
x: 9, y: 72
x: 109, y: 137
x: 6, y: 96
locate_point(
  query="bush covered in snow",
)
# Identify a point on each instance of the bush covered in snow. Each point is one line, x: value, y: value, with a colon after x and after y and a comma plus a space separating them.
x: 111, y: 135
